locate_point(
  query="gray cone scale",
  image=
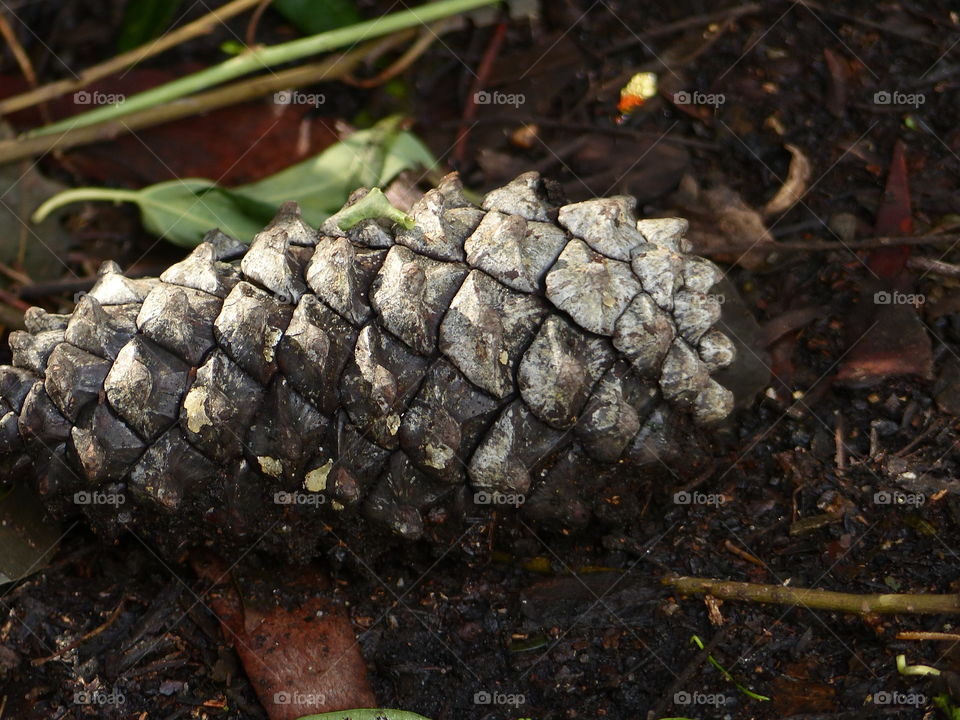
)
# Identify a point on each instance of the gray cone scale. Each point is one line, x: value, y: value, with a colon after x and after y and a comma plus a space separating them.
x: 383, y: 377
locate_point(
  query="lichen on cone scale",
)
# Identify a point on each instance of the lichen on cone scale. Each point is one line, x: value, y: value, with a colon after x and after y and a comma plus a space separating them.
x: 381, y: 379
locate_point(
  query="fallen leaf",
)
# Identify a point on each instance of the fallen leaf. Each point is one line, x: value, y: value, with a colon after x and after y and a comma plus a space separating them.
x: 795, y: 692
x: 837, y: 80
x: 894, y: 217
x: 720, y: 219
x: 891, y: 339
x: 795, y: 186
x: 897, y: 344
x: 789, y: 321
x: 641, y: 167
x: 301, y: 654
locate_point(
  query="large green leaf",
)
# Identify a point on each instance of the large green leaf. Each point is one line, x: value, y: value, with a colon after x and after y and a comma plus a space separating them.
x: 368, y: 158
x: 182, y: 211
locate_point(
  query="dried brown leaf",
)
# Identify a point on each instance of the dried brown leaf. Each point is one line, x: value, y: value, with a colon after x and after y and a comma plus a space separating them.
x: 795, y: 186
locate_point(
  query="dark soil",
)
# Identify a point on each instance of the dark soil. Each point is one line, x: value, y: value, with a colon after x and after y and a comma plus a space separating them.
x: 551, y: 626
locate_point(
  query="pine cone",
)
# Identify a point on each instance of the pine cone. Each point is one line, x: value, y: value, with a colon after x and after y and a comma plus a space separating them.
x: 375, y: 378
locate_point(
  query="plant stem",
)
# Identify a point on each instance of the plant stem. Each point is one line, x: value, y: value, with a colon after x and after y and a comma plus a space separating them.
x: 79, y: 195
x: 328, y: 69
x: 265, y: 57
x: 920, y: 670
x: 816, y: 599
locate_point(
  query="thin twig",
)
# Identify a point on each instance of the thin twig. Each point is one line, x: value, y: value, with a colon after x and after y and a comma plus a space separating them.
x: 124, y: 60
x: 427, y: 37
x: 13, y: 301
x: 36, y: 662
x: 585, y: 128
x: 743, y: 554
x: 934, y: 427
x: 840, y: 456
x: 892, y: 28
x: 922, y: 635
x: 329, y: 69
x: 816, y: 599
x: 19, y: 54
x: 259, y: 58
x: 833, y: 245
x: 251, y: 34
x: 937, y: 267
x: 687, y: 24
x: 15, y: 275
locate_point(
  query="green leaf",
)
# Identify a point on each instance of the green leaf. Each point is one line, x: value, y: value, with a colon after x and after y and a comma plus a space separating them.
x: 368, y: 158
x: 144, y: 20
x: 366, y: 714
x: 182, y: 211
x: 406, y: 151
x: 317, y: 16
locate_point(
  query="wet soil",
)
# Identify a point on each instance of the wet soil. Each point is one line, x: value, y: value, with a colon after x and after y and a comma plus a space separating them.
x: 812, y: 483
